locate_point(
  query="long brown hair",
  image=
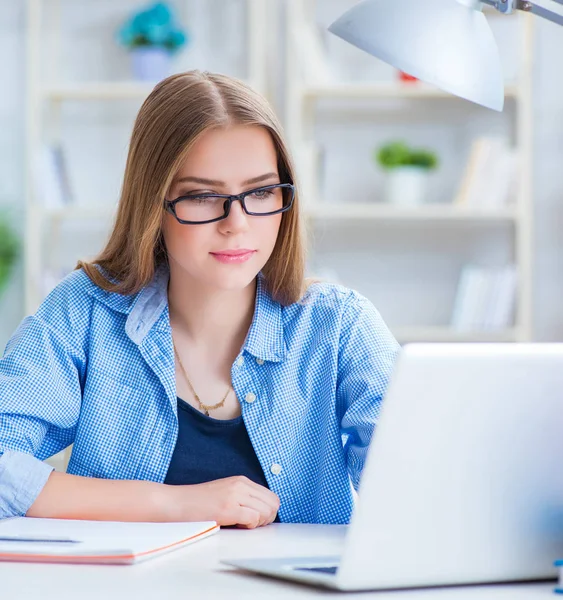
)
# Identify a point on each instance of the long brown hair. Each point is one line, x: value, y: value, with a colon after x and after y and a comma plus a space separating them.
x: 179, y: 110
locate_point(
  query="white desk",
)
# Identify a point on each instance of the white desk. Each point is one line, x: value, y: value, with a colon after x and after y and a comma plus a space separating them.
x: 194, y: 573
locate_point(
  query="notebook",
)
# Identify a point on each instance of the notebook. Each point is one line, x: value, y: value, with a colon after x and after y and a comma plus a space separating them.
x: 99, y: 542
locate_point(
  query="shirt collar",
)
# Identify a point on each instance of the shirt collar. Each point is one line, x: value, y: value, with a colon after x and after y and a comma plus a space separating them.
x: 265, y: 339
x: 119, y: 302
x: 144, y: 309
x: 148, y: 309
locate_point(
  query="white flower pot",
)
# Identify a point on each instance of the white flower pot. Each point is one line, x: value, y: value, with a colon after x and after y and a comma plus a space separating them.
x: 406, y: 186
x: 150, y: 63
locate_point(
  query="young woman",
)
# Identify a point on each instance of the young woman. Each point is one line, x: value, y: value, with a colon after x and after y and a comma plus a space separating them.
x: 195, y: 373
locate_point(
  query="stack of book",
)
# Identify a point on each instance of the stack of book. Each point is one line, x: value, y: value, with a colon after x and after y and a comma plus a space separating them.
x: 485, y: 299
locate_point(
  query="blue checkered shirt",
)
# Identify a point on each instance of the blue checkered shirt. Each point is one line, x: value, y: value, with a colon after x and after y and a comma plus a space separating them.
x: 96, y: 369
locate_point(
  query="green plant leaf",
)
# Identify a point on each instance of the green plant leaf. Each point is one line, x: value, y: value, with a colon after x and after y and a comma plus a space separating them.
x: 399, y: 154
x: 393, y: 155
x: 9, y: 250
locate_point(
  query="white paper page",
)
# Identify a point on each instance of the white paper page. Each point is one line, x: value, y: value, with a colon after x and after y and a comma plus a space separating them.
x: 107, y: 537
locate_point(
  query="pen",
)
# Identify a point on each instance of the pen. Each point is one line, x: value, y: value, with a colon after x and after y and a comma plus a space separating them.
x: 18, y: 538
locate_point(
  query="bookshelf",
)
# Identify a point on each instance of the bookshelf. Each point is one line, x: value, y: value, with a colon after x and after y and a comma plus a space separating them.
x: 427, y: 213
x: 318, y: 95
x: 96, y: 91
x: 446, y: 334
x: 48, y: 95
x: 381, y: 90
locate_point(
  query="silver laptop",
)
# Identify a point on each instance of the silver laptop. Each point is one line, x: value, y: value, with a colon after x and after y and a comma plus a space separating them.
x: 463, y: 481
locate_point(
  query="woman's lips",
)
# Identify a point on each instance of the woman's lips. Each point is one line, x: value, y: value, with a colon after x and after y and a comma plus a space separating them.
x: 233, y: 256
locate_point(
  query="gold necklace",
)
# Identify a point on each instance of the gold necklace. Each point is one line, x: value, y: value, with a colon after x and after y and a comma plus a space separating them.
x: 204, y: 407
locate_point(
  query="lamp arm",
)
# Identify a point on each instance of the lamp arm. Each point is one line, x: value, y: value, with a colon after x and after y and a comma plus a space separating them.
x: 541, y: 12
x: 509, y: 6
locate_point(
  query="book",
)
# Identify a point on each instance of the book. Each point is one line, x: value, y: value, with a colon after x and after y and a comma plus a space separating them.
x: 490, y: 175
x: 500, y: 190
x: 502, y: 302
x: 485, y: 299
x: 462, y: 307
x: 52, y: 180
x: 481, y: 300
x: 25, y: 539
x: 59, y: 161
x: 480, y: 156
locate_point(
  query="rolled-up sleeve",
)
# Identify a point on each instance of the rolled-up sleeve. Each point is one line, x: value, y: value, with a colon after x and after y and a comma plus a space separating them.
x: 22, y: 477
x: 367, y: 355
x: 40, y: 398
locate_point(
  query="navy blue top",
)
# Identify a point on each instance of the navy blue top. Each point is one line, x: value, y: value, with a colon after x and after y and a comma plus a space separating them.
x: 209, y: 449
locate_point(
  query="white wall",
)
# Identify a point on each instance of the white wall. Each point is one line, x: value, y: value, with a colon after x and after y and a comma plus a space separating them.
x: 114, y: 125
x: 548, y: 183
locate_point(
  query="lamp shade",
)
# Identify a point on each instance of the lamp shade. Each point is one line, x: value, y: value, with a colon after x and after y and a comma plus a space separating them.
x: 447, y: 43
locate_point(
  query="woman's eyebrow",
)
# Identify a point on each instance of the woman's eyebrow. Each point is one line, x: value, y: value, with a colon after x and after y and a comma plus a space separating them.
x: 260, y: 178
x: 215, y: 182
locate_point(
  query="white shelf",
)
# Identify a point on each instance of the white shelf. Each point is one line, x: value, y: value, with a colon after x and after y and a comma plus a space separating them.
x: 446, y: 334
x: 436, y: 212
x: 74, y: 212
x: 99, y: 90
x: 395, y: 91
x: 375, y: 212
x: 430, y: 212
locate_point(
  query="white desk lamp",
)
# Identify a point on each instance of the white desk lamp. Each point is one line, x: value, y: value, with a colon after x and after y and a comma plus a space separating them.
x: 447, y: 43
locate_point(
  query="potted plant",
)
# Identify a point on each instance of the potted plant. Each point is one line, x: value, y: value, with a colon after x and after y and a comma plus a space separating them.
x: 153, y: 37
x: 9, y: 247
x: 407, y: 172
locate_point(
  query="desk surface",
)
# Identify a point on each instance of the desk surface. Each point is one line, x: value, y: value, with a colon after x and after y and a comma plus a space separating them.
x: 195, y: 572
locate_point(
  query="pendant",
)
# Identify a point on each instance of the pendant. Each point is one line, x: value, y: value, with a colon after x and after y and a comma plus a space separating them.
x: 206, y: 413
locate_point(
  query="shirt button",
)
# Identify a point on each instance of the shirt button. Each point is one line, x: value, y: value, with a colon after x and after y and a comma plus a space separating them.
x: 250, y: 397
x: 275, y: 469
x: 259, y: 361
x: 240, y: 360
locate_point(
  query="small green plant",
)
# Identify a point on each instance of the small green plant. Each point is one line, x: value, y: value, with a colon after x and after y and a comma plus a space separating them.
x: 154, y: 26
x: 399, y: 154
x: 9, y: 249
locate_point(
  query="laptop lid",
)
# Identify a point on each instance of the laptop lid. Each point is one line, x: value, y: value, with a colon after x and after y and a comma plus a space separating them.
x: 464, y: 477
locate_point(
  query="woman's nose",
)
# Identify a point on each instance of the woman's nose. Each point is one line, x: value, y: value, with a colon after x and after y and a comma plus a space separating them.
x: 237, y: 218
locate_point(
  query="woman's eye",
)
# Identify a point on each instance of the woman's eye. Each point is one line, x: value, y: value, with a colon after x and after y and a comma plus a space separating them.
x: 202, y: 199
x: 262, y: 194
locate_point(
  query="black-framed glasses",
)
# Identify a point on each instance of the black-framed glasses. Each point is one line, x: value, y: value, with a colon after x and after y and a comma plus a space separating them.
x: 197, y: 209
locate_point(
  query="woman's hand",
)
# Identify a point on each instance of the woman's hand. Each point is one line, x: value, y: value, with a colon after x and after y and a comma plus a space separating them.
x: 230, y: 501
